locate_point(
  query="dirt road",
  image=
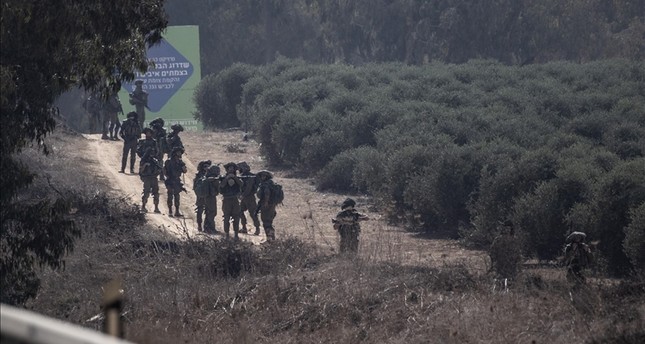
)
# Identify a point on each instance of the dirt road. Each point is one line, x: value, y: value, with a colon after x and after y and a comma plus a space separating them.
x: 306, y: 213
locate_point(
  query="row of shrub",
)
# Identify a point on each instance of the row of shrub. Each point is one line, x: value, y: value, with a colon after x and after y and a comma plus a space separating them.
x: 460, y: 148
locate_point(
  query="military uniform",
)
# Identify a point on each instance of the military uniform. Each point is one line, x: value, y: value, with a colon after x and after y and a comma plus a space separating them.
x: 248, y: 201
x: 266, y: 209
x: 139, y: 98
x: 577, y: 257
x: 149, y: 169
x: 202, y: 168
x: 210, y: 200
x: 173, y: 140
x: 231, y: 188
x: 159, y: 134
x: 347, y: 225
x: 111, y: 111
x: 174, y: 168
x: 130, y: 132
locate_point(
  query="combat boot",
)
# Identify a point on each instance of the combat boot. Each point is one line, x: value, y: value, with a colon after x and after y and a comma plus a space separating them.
x: 143, y: 207
x: 244, y: 230
x: 199, y: 227
x: 178, y: 214
x: 157, y: 209
x: 257, y: 231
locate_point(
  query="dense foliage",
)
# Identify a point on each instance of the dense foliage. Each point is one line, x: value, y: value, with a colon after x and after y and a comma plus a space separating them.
x: 48, y: 48
x: 412, y: 31
x: 460, y: 148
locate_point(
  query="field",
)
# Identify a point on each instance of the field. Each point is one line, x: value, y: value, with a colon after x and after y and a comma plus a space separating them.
x: 184, y: 287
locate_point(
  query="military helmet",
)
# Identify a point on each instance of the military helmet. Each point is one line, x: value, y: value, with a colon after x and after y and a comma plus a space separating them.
x: 348, y: 203
x: 243, y: 166
x: 132, y: 114
x: 148, y: 129
x: 213, y: 171
x: 177, y: 150
x: 234, y: 165
x: 138, y: 82
x: 177, y: 127
x: 203, y: 164
x: 157, y: 122
x: 266, y: 173
x: 576, y: 237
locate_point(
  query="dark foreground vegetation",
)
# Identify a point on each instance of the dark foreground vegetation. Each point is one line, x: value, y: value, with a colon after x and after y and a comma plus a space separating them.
x: 458, y: 149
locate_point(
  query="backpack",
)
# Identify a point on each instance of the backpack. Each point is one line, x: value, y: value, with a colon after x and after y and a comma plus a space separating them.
x: 131, y: 129
x: 277, y: 195
x: 200, y: 186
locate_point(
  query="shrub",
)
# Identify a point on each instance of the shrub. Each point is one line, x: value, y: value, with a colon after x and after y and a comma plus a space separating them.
x: 634, y: 243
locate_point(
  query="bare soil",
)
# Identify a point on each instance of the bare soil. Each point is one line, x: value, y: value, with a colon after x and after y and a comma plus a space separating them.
x: 306, y: 213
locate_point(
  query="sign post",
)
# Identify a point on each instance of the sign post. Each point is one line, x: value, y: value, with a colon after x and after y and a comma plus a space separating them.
x: 172, y: 81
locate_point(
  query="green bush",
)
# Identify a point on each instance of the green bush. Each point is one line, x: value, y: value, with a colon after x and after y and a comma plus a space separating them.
x: 634, y: 243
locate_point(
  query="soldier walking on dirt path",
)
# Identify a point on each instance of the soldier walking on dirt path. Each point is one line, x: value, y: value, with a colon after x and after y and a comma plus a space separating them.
x: 212, y: 180
x: 149, y: 169
x: 130, y: 132
x: 347, y: 223
x: 174, y: 168
x: 231, y: 188
x: 199, y: 187
x: 157, y: 126
x: 266, y: 208
x: 247, y: 198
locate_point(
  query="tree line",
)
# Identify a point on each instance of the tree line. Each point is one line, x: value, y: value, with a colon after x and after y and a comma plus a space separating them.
x: 459, y: 149
x: 412, y: 31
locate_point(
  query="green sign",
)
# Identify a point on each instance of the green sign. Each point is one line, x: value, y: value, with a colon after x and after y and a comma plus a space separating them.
x: 171, y: 83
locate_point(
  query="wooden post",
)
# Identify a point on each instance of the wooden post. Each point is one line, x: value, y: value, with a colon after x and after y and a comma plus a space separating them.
x: 112, y: 306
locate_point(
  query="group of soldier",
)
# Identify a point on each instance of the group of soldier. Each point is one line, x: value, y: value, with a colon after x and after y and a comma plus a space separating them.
x: 241, y: 193
x: 104, y: 112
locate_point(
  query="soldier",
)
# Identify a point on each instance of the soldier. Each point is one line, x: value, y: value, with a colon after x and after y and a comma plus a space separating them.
x: 174, y: 168
x: 266, y: 207
x: 577, y: 256
x: 160, y: 136
x: 92, y: 105
x: 231, y: 188
x: 210, y: 199
x: 130, y: 132
x: 247, y: 199
x: 149, y: 169
x: 147, y: 143
x: 173, y: 139
x: 111, y: 110
x: 200, y: 189
x: 139, y: 98
x: 348, y: 226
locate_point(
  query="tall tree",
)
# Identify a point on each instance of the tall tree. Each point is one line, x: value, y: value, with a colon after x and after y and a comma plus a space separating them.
x: 49, y: 47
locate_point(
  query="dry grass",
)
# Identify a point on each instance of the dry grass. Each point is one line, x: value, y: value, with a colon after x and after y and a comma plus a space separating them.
x: 299, y: 290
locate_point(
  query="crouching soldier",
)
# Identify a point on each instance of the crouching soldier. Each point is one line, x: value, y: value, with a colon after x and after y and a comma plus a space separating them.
x: 231, y: 188
x: 212, y: 180
x: 149, y: 169
x: 174, y: 168
x: 348, y: 226
x: 577, y: 257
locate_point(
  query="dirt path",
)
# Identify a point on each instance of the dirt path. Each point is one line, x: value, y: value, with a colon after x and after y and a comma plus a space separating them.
x: 306, y: 213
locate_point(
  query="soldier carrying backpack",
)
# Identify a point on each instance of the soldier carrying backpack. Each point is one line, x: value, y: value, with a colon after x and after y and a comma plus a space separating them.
x: 269, y: 195
x: 577, y: 256
x: 201, y: 190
